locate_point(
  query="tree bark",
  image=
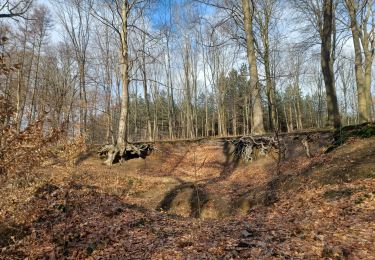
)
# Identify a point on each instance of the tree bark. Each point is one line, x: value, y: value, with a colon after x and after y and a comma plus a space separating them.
x: 82, y: 97
x: 257, y: 126
x: 327, y: 61
x: 362, y: 69
x: 147, y: 101
x: 171, y: 113
x: 122, y: 129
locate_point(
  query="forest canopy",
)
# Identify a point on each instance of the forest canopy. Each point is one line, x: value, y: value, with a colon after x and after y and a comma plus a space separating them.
x: 130, y: 70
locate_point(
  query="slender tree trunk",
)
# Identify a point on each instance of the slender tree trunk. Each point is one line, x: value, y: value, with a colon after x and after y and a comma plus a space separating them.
x: 122, y: 129
x: 32, y: 106
x: 172, y: 104
x: 234, y: 117
x: 290, y: 128
x: 111, y: 137
x: 136, y: 113
x: 189, y: 110
x: 327, y: 60
x: 109, y: 132
x: 368, y: 79
x: 147, y: 101
x: 286, y: 116
x: 18, y: 105
x: 311, y: 119
x: 269, y: 84
x: 213, y: 123
x: 194, y: 78
x: 206, y: 124
x: 171, y: 114
x: 257, y: 122
x: 82, y: 97
x: 296, y: 113
x: 363, y: 111
x: 145, y: 90
x: 298, y: 110
x: 247, y: 115
x: 155, y: 123
x: 345, y: 92
x: 21, y: 104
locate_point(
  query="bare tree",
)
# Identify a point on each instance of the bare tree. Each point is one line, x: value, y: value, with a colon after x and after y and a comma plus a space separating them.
x: 144, y: 82
x: 14, y: 8
x: 248, y: 14
x: 362, y: 25
x: 75, y: 18
x: 327, y: 60
x: 192, y: 72
x: 41, y: 24
x: 120, y: 16
x: 264, y: 17
x: 103, y: 40
x: 321, y: 27
x: 345, y: 71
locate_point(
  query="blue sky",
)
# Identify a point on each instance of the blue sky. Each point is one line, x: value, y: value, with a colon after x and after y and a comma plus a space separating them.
x: 159, y: 14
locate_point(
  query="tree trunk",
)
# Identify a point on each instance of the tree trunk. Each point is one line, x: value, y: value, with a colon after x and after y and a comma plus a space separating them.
x: 299, y: 112
x: 147, y: 101
x: 82, y: 97
x: 155, y: 123
x: 269, y: 81
x: 206, y: 124
x: 290, y: 125
x: 327, y: 60
x: 122, y: 129
x: 234, y: 117
x: 18, y: 105
x: 257, y: 126
x: 171, y: 114
x: 189, y: 109
x: 368, y: 79
x: 363, y: 111
x: 31, y: 116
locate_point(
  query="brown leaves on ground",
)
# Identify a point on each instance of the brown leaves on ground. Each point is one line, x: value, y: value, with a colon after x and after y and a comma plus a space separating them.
x: 321, y: 207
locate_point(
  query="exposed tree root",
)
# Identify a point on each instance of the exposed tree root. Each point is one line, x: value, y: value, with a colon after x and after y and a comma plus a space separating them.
x: 115, y: 154
x: 247, y: 148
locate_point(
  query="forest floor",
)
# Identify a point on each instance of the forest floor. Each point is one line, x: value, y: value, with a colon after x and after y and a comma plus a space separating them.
x: 192, y: 200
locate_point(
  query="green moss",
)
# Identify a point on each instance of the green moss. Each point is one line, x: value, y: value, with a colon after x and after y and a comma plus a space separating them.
x: 365, y: 130
x: 337, y: 194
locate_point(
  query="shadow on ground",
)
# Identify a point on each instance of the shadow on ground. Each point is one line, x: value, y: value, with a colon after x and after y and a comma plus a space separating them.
x: 197, y: 193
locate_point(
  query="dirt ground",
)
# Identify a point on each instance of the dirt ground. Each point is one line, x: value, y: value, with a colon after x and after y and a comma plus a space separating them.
x: 194, y: 201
